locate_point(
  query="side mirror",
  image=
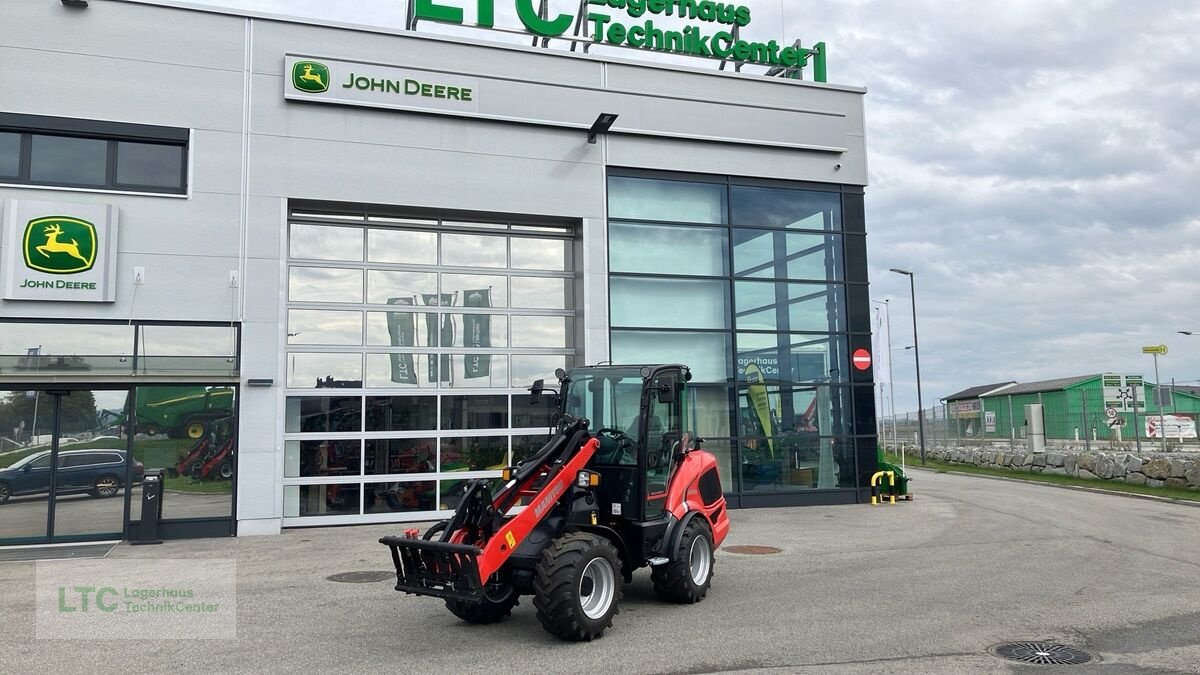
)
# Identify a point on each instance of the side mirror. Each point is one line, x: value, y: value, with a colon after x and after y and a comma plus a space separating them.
x: 26, y: 468
x: 667, y: 392
x: 535, y: 392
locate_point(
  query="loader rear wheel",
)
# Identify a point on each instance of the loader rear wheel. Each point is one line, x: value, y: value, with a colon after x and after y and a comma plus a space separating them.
x: 497, y: 603
x: 577, y: 586
x: 686, y: 579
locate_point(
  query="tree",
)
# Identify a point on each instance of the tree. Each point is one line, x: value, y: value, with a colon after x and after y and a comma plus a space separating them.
x: 78, y: 412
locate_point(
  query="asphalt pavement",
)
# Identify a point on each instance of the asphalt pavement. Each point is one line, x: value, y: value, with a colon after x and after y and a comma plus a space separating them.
x: 925, y: 586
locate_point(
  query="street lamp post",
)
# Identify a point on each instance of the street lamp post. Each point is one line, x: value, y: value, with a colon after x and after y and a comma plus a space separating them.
x: 912, y: 292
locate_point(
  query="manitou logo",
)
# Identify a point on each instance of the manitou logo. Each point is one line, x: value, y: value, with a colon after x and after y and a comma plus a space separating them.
x: 310, y: 76
x: 60, y: 245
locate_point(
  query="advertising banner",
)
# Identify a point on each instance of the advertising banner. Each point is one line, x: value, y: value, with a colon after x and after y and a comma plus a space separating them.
x: 757, y: 391
x: 477, y: 332
x: 403, y: 332
x: 432, y: 330
x: 963, y: 409
x: 989, y: 422
x: 1176, y: 426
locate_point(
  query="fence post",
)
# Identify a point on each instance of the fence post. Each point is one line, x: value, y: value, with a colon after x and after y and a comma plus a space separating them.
x: 1087, y: 445
x: 1012, y: 426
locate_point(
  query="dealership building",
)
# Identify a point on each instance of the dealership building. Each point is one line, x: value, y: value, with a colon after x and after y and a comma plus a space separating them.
x: 311, y: 270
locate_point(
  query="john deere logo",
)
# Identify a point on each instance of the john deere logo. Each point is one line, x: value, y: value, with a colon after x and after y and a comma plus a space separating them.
x: 310, y: 76
x: 60, y: 245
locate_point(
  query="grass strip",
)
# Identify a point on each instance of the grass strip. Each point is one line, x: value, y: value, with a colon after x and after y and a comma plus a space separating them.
x: 911, y: 460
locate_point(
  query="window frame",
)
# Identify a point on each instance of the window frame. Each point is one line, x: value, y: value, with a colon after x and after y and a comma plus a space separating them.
x: 112, y: 133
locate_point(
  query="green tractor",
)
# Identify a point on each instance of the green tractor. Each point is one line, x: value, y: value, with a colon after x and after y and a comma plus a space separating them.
x: 182, y: 411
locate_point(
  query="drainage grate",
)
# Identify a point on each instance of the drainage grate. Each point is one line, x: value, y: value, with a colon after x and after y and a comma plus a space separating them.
x: 1042, y: 653
x: 753, y: 550
x: 361, y: 577
x: 55, y: 552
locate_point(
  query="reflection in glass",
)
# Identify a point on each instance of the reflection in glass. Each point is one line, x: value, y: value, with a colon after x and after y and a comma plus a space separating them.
x: 474, y: 250
x: 408, y: 247
x: 311, y: 414
x: 474, y: 453
x: 56, y: 339
x: 302, y: 459
x: 819, y: 410
x: 325, y: 284
x: 401, y: 455
x: 60, y: 159
x: 796, y: 462
x: 325, y: 242
x: 541, y: 293
x: 10, y: 154
x: 320, y: 371
x: 529, y: 367
x: 321, y: 500
x: 476, y: 370
x: 401, y: 288
x: 475, y: 412
x: 524, y: 447
x: 710, y: 410
x: 708, y: 354
x: 766, y: 305
x: 674, y: 303
x: 492, y: 291
x: 722, y: 449
x: 324, y: 327
x: 477, y: 330
x: 553, y: 332
x: 187, y: 340
x: 553, y: 255
x: 402, y: 371
x: 662, y: 249
x: 781, y: 207
x: 795, y: 358
x: 149, y: 164
x: 401, y: 413
x: 401, y: 329
x: 400, y: 497
x: 529, y: 414
x: 662, y: 200
x: 772, y: 254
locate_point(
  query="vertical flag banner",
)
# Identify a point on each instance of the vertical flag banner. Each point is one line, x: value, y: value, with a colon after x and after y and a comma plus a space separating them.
x: 432, y: 330
x: 757, y: 392
x: 477, y: 332
x: 402, y: 329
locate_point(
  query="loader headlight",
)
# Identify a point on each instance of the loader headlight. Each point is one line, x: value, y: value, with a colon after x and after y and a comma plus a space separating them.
x: 587, y: 479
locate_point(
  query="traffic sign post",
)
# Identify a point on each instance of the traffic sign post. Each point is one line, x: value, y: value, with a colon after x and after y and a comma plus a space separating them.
x: 1110, y: 413
x: 861, y: 359
x: 1158, y: 350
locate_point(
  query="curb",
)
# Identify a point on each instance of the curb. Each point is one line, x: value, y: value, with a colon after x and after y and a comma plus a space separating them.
x: 1077, y: 488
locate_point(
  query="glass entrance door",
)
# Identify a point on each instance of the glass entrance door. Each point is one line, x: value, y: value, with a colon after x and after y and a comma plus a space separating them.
x: 64, y: 465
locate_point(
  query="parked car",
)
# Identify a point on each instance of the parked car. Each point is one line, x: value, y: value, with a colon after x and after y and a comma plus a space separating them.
x: 98, y: 472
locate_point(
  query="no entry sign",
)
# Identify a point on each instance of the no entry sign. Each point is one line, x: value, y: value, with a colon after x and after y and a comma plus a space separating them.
x: 861, y: 359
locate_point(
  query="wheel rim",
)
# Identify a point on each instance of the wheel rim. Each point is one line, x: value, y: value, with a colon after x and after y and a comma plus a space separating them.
x: 195, y: 430
x: 226, y: 471
x: 106, y: 486
x: 3, y: 492
x: 700, y: 559
x: 597, y: 587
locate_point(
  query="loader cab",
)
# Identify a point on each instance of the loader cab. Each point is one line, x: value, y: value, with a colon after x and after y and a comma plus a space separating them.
x: 638, y: 415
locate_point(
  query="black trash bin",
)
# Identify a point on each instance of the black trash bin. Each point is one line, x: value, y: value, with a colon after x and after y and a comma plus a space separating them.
x: 152, y: 496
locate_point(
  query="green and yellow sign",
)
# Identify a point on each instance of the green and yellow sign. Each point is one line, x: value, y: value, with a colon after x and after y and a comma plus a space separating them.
x: 637, y: 29
x: 59, y: 245
x: 310, y: 76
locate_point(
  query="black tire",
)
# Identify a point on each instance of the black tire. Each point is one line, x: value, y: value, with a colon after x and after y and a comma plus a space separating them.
x: 225, y: 471
x: 105, y: 486
x: 496, y: 604
x: 151, y: 430
x: 5, y: 493
x: 577, y: 571
x: 687, y: 578
x: 194, y: 469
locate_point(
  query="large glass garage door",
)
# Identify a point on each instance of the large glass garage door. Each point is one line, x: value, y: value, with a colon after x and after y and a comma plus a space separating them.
x: 410, y: 346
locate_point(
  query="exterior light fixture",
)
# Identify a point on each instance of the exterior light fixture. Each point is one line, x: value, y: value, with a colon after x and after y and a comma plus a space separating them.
x: 601, y: 126
x: 80, y: 4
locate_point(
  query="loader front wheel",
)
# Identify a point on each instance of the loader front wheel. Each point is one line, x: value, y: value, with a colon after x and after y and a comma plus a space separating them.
x: 497, y: 603
x: 687, y: 577
x: 577, y: 586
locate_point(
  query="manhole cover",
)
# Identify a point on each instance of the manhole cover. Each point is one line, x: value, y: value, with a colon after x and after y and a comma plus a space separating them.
x: 753, y: 550
x: 1042, y: 653
x: 361, y: 577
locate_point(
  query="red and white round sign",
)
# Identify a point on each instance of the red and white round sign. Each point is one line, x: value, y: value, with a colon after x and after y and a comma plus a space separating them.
x: 861, y: 359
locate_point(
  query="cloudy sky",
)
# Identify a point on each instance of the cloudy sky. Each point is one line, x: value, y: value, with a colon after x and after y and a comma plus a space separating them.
x: 1036, y: 163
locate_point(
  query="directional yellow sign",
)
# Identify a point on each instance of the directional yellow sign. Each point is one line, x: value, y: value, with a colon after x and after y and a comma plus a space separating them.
x: 1161, y: 350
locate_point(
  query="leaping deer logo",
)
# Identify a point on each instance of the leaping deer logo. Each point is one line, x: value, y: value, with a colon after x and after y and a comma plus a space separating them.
x: 53, y: 245
x: 310, y: 76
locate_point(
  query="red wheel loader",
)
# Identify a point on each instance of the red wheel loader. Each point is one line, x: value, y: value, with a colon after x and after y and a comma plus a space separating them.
x: 623, y: 484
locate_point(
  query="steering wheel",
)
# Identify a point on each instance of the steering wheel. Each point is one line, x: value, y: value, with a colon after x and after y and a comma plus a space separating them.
x: 616, y: 433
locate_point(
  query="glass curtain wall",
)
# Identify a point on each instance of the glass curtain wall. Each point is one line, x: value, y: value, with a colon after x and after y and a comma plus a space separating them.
x: 411, y: 346
x: 745, y: 284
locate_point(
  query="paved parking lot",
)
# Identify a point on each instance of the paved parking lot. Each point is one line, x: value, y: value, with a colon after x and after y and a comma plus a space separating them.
x: 925, y: 586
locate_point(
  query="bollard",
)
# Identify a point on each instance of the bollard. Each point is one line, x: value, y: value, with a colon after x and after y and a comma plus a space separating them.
x: 152, y: 492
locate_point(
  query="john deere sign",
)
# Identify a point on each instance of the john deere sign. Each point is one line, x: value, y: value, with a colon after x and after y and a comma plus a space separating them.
x: 59, y: 252
x: 630, y: 23
x: 310, y: 76
x: 376, y: 86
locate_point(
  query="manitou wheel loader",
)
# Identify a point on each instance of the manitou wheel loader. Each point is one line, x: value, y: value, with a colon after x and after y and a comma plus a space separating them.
x: 623, y: 484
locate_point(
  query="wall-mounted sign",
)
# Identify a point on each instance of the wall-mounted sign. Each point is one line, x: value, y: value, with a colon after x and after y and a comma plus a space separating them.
x: 59, y: 252
x: 378, y: 86
x: 630, y: 23
x: 967, y: 408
